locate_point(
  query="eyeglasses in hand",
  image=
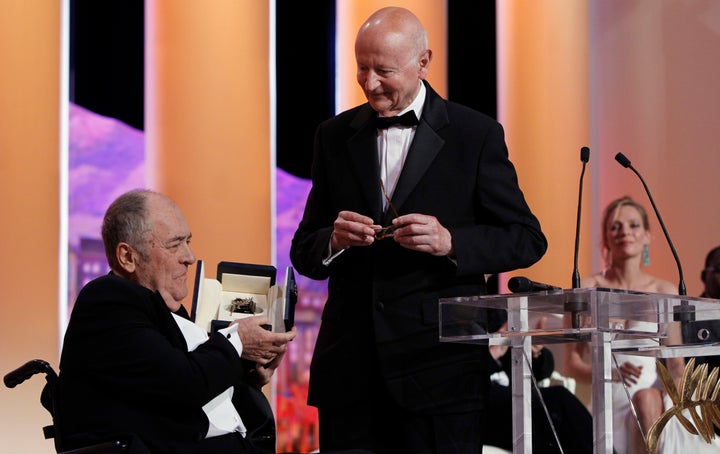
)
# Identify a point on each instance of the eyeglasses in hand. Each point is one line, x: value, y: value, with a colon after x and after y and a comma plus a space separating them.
x: 389, y: 231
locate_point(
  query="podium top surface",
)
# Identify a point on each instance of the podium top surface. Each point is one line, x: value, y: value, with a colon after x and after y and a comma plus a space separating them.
x: 624, y: 314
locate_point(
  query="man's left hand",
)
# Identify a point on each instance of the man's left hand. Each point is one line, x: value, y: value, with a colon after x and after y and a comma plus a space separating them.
x: 262, y: 374
x: 423, y: 233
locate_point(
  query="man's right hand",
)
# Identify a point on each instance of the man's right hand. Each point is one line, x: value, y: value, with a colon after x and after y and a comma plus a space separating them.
x: 352, y: 229
x: 259, y: 344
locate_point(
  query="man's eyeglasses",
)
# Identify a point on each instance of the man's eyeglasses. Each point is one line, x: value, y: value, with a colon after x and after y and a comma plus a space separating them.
x: 389, y: 231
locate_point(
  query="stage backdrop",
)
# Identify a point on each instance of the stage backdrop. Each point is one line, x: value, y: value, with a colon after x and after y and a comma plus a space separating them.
x: 638, y: 74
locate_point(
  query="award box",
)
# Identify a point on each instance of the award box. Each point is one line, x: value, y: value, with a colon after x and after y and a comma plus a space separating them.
x: 243, y: 290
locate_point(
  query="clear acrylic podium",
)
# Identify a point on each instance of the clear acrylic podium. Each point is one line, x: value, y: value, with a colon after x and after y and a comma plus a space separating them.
x: 592, y: 313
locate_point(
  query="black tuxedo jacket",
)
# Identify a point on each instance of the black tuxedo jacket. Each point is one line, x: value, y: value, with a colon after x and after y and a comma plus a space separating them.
x: 381, y: 315
x: 125, y: 369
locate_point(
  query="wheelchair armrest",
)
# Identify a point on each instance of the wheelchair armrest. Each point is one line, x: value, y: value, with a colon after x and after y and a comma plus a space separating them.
x: 27, y: 370
x: 47, y: 399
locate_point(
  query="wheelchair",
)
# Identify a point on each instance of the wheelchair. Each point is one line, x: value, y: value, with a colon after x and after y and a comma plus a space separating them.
x: 133, y: 445
x: 49, y: 401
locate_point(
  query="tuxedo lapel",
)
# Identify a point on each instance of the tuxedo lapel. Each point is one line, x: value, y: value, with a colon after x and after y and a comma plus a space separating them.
x: 424, y: 148
x: 167, y: 324
x: 362, y: 149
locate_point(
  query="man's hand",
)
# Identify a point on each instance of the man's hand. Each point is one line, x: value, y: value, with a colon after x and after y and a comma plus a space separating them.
x: 423, y: 233
x: 259, y: 344
x: 261, y: 375
x: 352, y: 229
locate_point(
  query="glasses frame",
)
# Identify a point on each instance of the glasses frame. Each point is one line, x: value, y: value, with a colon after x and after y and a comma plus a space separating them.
x: 387, y: 231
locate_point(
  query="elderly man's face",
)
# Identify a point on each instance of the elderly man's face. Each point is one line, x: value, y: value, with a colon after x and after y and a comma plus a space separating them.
x: 389, y: 70
x: 167, y: 253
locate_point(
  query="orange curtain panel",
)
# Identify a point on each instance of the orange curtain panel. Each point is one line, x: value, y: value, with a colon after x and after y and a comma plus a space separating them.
x: 30, y: 108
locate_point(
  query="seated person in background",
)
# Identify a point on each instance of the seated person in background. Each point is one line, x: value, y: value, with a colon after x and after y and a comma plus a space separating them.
x: 133, y: 364
x: 570, y: 418
x: 707, y: 330
x: 625, y: 241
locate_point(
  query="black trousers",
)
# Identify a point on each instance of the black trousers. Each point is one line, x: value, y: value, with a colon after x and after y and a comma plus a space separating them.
x: 381, y: 426
x: 572, y: 421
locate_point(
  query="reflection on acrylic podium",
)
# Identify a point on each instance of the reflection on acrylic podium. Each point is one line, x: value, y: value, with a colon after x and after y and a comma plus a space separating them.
x: 592, y: 314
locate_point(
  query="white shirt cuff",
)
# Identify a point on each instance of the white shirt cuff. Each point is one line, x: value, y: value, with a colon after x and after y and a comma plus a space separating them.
x: 232, y: 335
x: 330, y: 256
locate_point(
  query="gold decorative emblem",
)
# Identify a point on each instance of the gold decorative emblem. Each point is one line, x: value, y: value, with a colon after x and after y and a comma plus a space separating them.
x: 699, y: 395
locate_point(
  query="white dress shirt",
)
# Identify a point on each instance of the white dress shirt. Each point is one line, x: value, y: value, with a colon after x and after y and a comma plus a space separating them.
x: 393, y: 145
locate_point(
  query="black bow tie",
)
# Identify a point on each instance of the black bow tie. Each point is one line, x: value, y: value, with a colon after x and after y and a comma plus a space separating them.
x: 406, y: 119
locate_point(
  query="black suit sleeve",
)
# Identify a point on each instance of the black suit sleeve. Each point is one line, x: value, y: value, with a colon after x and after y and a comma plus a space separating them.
x: 123, y: 335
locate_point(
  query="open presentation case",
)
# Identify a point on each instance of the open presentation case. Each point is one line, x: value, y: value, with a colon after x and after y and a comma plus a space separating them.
x: 243, y: 290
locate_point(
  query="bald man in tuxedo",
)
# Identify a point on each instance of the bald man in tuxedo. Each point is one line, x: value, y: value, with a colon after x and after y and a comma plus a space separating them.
x: 401, y: 213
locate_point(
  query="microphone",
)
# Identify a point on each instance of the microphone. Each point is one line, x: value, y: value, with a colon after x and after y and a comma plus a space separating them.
x: 625, y: 162
x: 584, y: 157
x: 520, y: 284
x: 575, y: 305
x: 686, y: 311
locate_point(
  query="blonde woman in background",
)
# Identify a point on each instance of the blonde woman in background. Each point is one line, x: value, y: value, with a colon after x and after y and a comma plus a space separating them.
x: 625, y: 243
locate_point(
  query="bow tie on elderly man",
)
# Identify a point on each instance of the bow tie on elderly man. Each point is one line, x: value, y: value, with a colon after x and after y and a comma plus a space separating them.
x: 406, y: 119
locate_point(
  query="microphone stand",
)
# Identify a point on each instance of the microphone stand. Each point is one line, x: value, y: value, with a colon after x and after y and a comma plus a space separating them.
x: 574, y: 306
x: 685, y: 312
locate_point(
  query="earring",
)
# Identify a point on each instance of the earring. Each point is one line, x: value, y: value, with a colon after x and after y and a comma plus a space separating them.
x: 608, y: 260
x: 646, y: 255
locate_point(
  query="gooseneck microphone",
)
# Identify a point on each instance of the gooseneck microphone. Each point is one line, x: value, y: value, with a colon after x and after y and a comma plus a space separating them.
x: 574, y: 304
x: 521, y: 284
x: 625, y: 162
x: 685, y: 312
x: 584, y: 157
